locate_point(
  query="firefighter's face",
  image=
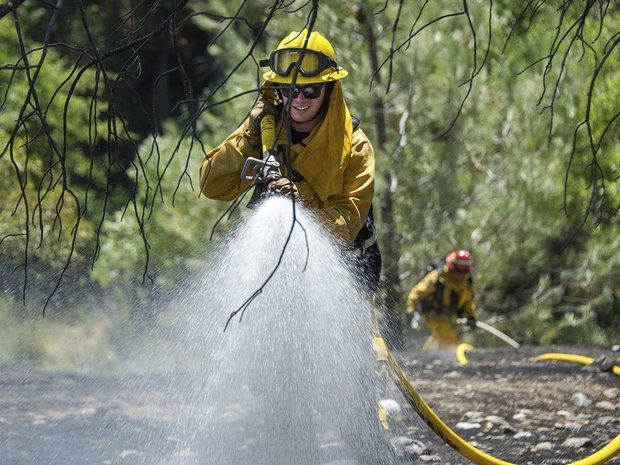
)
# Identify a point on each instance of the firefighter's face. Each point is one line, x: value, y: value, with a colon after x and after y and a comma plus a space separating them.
x: 305, y: 106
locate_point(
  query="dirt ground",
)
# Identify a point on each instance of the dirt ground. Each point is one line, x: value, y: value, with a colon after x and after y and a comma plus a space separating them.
x: 501, y: 401
x: 514, y: 408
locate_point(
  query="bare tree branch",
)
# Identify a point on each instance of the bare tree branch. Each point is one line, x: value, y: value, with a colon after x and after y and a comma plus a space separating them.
x: 52, y: 204
x: 9, y: 7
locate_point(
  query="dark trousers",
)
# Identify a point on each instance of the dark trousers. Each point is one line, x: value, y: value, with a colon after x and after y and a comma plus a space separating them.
x: 368, y: 268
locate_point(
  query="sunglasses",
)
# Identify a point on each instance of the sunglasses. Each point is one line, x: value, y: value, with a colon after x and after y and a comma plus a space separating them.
x: 308, y: 62
x: 311, y: 92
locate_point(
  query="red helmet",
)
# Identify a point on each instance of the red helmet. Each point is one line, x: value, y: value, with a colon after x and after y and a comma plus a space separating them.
x: 460, y: 261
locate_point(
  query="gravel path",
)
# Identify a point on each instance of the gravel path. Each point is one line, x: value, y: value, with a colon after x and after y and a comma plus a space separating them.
x: 516, y: 409
x: 502, y: 401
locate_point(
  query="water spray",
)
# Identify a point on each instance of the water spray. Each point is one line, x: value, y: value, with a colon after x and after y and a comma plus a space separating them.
x: 274, y: 390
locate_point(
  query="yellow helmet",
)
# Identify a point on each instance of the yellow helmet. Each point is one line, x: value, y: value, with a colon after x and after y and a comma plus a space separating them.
x: 311, y: 54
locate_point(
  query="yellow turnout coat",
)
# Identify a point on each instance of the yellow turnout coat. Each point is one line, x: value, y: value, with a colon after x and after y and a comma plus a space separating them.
x: 336, y: 165
x: 440, y: 297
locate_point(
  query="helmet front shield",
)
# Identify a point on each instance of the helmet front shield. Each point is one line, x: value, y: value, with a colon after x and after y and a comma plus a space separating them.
x: 309, y: 62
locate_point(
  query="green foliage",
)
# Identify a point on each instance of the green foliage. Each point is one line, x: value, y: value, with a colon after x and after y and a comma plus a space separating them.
x: 496, y: 182
x: 55, y: 343
x: 177, y: 231
x: 501, y: 179
x: 42, y: 200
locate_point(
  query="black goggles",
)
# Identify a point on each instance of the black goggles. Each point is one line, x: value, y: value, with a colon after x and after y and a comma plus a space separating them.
x: 309, y: 62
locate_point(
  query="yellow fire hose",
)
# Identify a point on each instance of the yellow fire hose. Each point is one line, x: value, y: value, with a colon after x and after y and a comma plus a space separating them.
x: 573, y: 358
x: 461, y: 350
x: 450, y: 437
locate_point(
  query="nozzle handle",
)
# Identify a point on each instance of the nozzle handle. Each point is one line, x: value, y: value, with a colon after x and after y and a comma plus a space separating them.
x: 268, y: 133
x: 255, y: 169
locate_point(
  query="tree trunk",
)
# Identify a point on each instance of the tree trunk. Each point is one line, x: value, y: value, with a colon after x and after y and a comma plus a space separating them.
x: 390, y: 284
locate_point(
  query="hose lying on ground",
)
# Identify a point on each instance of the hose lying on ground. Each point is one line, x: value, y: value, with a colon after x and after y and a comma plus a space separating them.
x: 461, y: 350
x: 450, y: 437
x: 573, y: 358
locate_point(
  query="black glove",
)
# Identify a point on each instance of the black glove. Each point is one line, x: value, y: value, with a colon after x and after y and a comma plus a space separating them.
x: 471, y: 322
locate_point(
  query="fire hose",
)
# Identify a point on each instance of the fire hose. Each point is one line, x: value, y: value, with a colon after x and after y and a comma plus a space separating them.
x: 450, y: 437
x: 463, y: 348
x: 268, y: 167
x: 493, y: 331
x: 573, y: 358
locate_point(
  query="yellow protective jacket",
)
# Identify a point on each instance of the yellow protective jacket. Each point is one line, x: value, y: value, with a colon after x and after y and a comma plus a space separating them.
x: 337, y: 166
x: 440, y: 291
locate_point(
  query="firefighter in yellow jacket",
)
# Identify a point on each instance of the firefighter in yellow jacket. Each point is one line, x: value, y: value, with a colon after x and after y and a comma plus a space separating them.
x: 441, y: 297
x: 327, y: 162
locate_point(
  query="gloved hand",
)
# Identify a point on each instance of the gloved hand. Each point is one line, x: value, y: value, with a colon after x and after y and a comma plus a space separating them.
x: 285, y: 187
x: 262, y: 108
x: 414, y: 320
x: 471, y: 322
